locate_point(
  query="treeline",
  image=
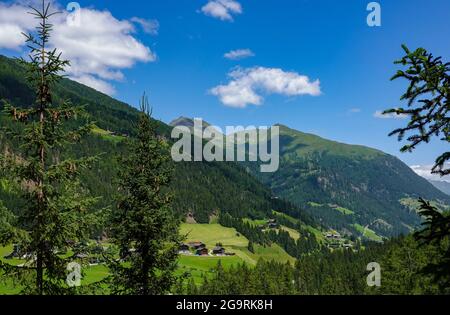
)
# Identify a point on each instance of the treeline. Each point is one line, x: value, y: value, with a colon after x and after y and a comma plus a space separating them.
x: 306, y: 244
x: 340, y: 272
x: 253, y: 233
x: 202, y: 188
x: 363, y: 184
x: 402, y: 260
x: 41, y: 165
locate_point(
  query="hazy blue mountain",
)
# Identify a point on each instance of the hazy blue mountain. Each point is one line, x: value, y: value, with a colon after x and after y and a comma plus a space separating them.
x: 442, y: 186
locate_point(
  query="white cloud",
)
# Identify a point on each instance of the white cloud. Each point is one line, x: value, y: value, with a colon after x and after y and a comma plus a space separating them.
x: 379, y: 114
x: 246, y: 84
x: 222, y: 9
x: 239, y: 54
x: 425, y: 172
x: 149, y: 26
x: 97, y: 84
x: 355, y: 110
x: 13, y: 22
x: 99, y: 47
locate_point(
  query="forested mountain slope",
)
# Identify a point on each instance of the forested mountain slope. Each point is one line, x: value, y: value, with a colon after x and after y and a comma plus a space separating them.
x: 203, y: 189
x: 442, y: 186
x: 342, y: 186
x: 347, y: 186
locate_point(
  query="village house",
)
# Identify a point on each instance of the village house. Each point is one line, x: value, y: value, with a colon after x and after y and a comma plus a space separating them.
x: 272, y: 224
x: 15, y: 253
x: 196, y: 245
x: 333, y: 235
x: 184, y: 249
x: 218, y: 251
x: 202, y: 252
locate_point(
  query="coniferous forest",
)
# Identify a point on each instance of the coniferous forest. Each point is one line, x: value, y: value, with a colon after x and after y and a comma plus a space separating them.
x: 92, y: 203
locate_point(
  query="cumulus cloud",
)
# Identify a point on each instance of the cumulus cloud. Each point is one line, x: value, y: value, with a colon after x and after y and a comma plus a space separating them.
x: 379, y: 114
x: 99, y: 46
x: 425, y: 171
x: 239, y: 54
x: 246, y: 85
x: 14, y: 21
x: 222, y: 9
x: 148, y: 26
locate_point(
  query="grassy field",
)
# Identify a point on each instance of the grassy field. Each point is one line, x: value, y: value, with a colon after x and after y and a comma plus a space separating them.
x: 314, y: 204
x: 211, y: 234
x: 312, y: 230
x: 292, y: 233
x: 368, y: 233
x: 91, y: 274
x: 195, y: 266
x: 256, y: 222
x: 344, y: 211
x: 413, y: 204
x: 107, y: 135
x: 199, y: 267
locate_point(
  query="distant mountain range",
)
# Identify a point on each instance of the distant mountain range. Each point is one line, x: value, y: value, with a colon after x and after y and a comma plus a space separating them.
x: 347, y: 187
x: 441, y: 185
x: 350, y: 188
x: 200, y: 189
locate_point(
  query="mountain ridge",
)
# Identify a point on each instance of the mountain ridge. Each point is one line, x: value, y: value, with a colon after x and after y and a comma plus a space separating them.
x: 441, y: 185
x: 320, y: 179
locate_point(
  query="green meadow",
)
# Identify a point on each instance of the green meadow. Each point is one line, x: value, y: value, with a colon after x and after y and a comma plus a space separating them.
x: 197, y: 267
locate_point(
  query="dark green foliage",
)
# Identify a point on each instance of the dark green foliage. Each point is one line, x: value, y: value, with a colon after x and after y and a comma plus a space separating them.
x: 256, y: 235
x: 429, y: 77
x: 204, y: 188
x: 366, y: 181
x: 402, y: 268
x: 201, y: 188
x: 253, y: 233
x: 267, y: 278
x: 143, y: 225
x: 250, y: 247
x: 340, y: 272
x: 55, y: 208
x: 436, y: 234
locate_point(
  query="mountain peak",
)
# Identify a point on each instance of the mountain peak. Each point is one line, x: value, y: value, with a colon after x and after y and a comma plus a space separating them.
x: 182, y: 121
x: 186, y: 122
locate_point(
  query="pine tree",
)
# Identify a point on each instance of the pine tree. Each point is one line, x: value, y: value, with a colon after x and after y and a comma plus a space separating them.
x: 54, y: 213
x: 428, y: 102
x: 250, y: 247
x: 143, y: 225
x: 428, y: 109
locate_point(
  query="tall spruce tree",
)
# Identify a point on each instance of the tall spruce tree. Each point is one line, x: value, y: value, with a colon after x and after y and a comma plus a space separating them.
x: 55, y: 212
x: 143, y: 225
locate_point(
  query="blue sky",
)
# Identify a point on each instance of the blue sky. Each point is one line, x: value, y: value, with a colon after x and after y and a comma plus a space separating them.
x: 323, y: 40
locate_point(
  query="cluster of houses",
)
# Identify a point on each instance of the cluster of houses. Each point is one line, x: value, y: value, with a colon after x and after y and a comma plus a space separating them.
x: 272, y: 224
x: 118, y: 134
x: 335, y: 240
x: 199, y: 249
x: 18, y: 254
x: 87, y: 253
x: 333, y: 236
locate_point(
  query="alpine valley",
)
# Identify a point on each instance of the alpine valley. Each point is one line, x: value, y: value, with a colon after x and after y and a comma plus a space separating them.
x: 322, y: 189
